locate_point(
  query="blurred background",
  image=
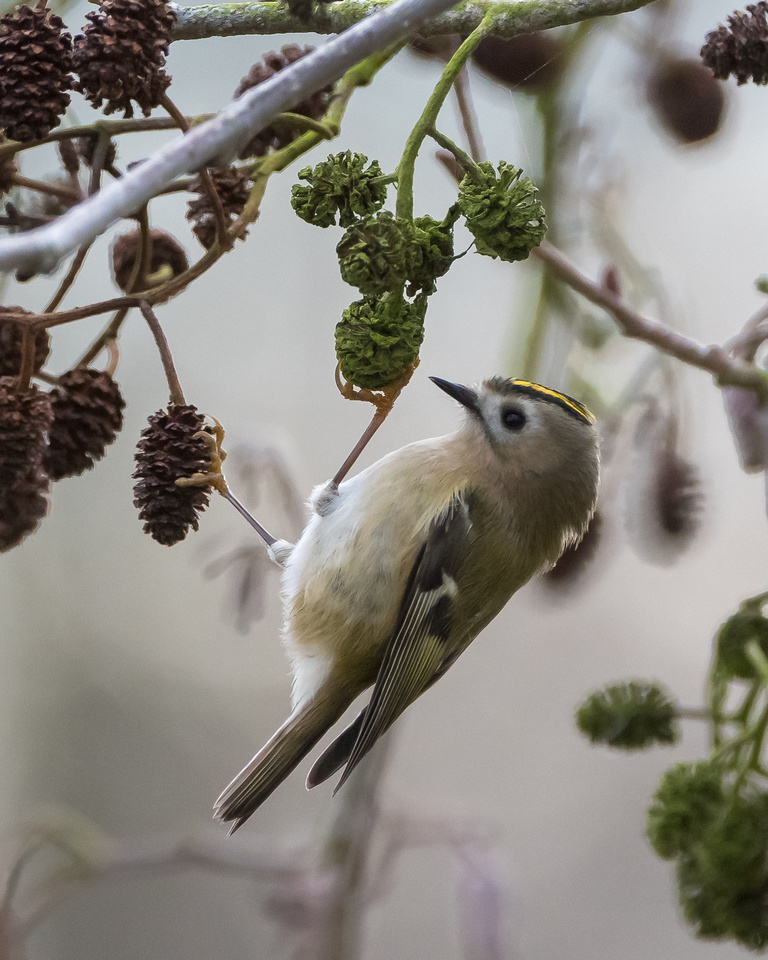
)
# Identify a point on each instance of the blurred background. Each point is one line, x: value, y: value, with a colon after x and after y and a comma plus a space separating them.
x: 128, y: 695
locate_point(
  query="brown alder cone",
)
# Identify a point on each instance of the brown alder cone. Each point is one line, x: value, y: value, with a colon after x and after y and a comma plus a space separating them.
x: 11, y: 336
x: 166, y: 252
x: 166, y: 452
x: 86, y: 149
x: 25, y: 419
x: 741, y: 48
x: 314, y: 106
x: 529, y: 62
x: 233, y: 188
x: 35, y: 72
x: 687, y: 99
x: 575, y: 560
x: 87, y: 416
x: 120, y: 55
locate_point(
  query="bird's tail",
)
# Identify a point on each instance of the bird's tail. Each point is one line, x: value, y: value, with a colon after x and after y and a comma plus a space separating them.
x: 276, y: 759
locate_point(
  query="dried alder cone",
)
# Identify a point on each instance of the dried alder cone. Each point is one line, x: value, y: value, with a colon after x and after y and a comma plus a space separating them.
x: 25, y: 419
x: 86, y: 150
x: 167, y: 260
x: 574, y: 561
x: 35, y: 72
x: 167, y: 451
x: 529, y: 62
x: 275, y: 136
x: 11, y: 337
x: 665, y: 499
x: 120, y: 55
x: 741, y: 48
x: 687, y: 99
x: 233, y: 188
x: 87, y: 415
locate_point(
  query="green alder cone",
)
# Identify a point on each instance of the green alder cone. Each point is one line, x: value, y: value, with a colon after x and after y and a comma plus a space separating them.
x: 688, y: 800
x: 374, y: 254
x: 723, y: 879
x: 378, y: 339
x: 503, y: 213
x: 340, y: 187
x: 431, y: 252
x: 629, y: 716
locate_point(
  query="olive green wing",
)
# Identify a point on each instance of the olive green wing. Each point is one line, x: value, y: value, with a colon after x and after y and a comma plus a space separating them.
x: 418, y: 649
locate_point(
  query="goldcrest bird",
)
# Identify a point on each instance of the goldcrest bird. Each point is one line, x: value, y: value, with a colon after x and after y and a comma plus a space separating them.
x: 401, y: 567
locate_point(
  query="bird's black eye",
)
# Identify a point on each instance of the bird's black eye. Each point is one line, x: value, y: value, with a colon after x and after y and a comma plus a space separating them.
x: 513, y: 418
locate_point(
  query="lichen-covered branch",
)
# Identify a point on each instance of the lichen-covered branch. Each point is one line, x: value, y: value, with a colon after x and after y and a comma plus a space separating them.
x: 215, y: 142
x: 511, y: 17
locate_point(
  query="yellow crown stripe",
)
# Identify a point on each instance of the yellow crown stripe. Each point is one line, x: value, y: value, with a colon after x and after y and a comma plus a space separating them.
x: 561, y: 397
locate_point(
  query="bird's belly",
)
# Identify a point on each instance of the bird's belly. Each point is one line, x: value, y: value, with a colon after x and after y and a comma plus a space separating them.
x: 342, y: 594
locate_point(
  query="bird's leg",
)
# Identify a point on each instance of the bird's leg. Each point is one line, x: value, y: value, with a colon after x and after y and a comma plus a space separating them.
x: 277, y: 550
x: 383, y: 400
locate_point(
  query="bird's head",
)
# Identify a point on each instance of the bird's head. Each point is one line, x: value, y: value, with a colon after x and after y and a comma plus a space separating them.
x: 531, y: 429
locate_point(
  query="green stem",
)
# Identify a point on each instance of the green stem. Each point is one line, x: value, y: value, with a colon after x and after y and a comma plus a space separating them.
x: 717, y: 689
x: 467, y: 163
x: 428, y: 118
x: 742, y: 714
x: 758, y: 660
x: 758, y: 601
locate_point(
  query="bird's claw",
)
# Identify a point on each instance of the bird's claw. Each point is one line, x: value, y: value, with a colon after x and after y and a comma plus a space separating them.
x: 214, y: 476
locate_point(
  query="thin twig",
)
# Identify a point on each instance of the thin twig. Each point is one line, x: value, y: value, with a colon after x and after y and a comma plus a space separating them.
x: 51, y: 189
x: 28, y: 350
x: 468, y: 116
x: 105, y: 338
x: 69, y: 279
x: 177, y: 394
x: 108, y: 128
x: 726, y: 369
x: 220, y: 218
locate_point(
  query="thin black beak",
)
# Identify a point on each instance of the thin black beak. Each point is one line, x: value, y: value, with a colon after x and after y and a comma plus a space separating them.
x: 466, y: 397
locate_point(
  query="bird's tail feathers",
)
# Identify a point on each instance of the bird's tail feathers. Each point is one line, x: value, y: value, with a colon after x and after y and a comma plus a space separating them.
x: 276, y: 759
x: 336, y: 753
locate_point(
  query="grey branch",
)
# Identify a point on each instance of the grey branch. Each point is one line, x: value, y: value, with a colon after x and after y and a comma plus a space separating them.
x: 217, y: 141
x: 511, y: 17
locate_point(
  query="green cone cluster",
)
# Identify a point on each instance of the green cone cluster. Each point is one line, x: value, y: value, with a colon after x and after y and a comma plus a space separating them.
x: 378, y: 339
x: 629, y: 716
x: 340, y: 189
x: 395, y: 262
x: 503, y: 211
x: 379, y: 254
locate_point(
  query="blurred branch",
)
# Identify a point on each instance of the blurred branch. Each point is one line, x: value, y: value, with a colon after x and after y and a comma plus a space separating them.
x: 727, y: 369
x: 346, y: 853
x: 217, y: 141
x: 510, y: 17
x: 257, y: 861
